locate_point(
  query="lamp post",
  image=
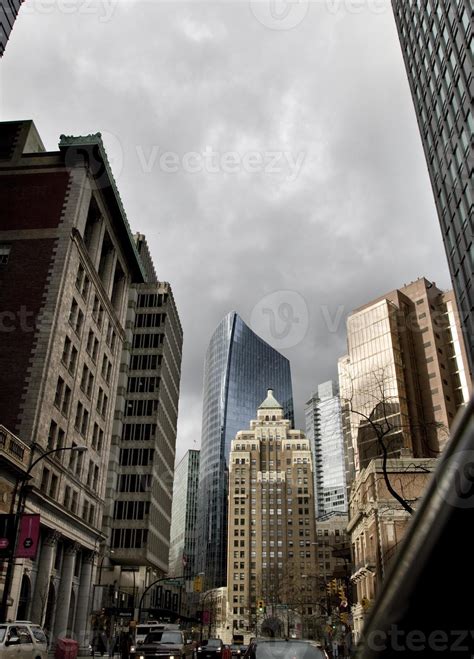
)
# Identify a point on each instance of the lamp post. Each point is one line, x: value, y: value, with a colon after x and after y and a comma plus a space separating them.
x: 18, y: 512
x: 153, y: 583
x: 209, y: 592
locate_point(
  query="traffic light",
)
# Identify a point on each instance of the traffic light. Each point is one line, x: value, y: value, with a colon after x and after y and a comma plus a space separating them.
x: 197, y: 585
x: 334, y: 586
x: 341, y: 592
x: 328, y: 588
x: 260, y: 606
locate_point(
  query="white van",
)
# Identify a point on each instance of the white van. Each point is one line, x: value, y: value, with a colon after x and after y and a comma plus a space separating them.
x: 23, y: 640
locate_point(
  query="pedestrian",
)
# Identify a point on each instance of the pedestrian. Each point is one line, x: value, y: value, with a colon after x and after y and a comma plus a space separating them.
x: 125, y: 645
x: 335, y: 649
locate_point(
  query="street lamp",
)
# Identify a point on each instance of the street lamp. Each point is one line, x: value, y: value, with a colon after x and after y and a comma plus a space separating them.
x: 209, y: 592
x: 153, y: 583
x: 18, y: 512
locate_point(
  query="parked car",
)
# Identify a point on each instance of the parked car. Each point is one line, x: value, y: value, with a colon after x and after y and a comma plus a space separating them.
x: 210, y: 649
x: 320, y: 646
x: 23, y: 640
x: 279, y: 648
x: 164, y: 644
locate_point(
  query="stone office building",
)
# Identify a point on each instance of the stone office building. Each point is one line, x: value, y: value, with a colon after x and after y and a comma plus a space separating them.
x: 68, y: 260
x: 141, y: 466
x: 272, y: 538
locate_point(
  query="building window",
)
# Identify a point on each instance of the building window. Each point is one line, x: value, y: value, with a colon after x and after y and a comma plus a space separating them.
x: 62, y: 396
x: 76, y: 317
x: 44, y: 480
x: 4, y: 253
x: 102, y: 401
x: 53, y: 486
x: 82, y: 281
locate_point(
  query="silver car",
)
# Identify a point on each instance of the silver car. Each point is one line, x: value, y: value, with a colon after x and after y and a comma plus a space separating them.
x: 23, y: 640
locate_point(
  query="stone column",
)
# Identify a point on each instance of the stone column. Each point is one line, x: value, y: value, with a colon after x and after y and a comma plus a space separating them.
x: 84, y: 602
x: 43, y: 576
x: 97, y: 236
x: 109, y: 270
x: 64, y: 591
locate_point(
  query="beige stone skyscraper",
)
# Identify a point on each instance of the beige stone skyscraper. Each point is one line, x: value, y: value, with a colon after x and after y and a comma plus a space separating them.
x: 271, y: 532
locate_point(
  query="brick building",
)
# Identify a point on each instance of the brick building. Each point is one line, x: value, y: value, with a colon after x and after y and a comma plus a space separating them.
x: 67, y: 262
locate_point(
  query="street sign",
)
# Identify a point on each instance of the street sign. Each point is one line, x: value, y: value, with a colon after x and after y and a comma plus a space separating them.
x: 172, y: 582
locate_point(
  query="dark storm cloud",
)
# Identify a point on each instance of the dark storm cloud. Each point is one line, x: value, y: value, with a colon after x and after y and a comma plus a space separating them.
x: 345, y: 212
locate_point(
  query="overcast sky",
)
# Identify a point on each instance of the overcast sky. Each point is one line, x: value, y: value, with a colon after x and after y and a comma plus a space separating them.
x: 269, y: 152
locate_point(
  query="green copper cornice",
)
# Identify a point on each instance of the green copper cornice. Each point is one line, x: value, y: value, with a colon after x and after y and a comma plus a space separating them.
x: 103, y: 175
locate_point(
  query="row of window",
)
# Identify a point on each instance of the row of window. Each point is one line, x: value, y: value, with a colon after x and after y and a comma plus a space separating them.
x: 56, y: 438
x: 145, y: 362
x: 134, y: 482
x: 152, y: 300
x: 49, y: 486
x: 147, y: 341
x: 129, y: 538
x: 138, y: 431
x: 278, y: 445
x: 142, y: 384
x: 136, y: 457
x: 149, y: 319
x: 131, y: 509
x: 141, y: 407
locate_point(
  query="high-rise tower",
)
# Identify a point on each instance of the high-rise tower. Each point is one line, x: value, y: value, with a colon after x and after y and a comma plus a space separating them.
x: 272, y: 538
x: 183, y: 516
x: 437, y: 42
x: 8, y: 12
x: 324, y: 431
x: 238, y: 369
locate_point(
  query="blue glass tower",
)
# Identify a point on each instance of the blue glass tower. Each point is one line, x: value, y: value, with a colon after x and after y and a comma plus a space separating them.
x: 240, y: 367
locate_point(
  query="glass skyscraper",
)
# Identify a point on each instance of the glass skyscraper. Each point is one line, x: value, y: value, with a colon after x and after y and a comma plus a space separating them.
x: 239, y: 369
x: 437, y: 42
x: 324, y: 431
x: 183, y: 516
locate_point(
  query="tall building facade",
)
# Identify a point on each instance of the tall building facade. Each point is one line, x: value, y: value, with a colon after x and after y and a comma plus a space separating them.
x: 272, y: 536
x: 8, y: 12
x: 141, y: 466
x: 68, y: 261
x: 333, y: 547
x: 238, y: 369
x: 406, y: 368
x: 324, y: 430
x: 184, y: 516
x: 436, y: 37
x: 401, y: 384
